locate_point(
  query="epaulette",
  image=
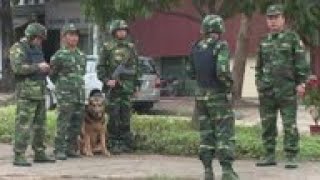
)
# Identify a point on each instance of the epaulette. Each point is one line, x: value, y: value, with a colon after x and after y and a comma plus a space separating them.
x: 131, y: 45
x: 109, y: 45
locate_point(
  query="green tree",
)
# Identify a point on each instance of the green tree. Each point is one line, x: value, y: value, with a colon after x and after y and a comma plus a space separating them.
x: 102, y: 11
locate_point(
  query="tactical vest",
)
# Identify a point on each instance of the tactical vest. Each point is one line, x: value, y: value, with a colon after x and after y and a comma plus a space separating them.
x: 34, y: 56
x: 205, y: 64
x: 122, y: 55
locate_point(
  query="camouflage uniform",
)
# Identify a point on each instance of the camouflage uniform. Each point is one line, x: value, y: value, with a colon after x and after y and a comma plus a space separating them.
x: 281, y: 66
x: 210, y: 67
x: 113, y: 53
x: 30, y: 86
x: 68, y: 69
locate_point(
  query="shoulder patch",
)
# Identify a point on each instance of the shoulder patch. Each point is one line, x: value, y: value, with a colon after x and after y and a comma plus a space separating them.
x: 130, y: 44
x: 109, y: 45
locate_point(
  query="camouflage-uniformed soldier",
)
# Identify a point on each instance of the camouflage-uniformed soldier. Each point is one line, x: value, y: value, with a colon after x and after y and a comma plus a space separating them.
x: 68, y: 68
x: 30, y: 69
x: 280, y: 74
x: 118, y: 51
x: 210, y: 67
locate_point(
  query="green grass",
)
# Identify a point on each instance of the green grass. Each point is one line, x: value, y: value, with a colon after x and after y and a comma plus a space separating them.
x: 174, y: 135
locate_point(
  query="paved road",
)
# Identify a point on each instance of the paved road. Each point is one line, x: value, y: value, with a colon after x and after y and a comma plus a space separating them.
x: 144, y: 167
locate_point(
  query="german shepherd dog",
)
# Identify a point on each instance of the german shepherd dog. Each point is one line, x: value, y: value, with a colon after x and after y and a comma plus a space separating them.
x: 93, y: 130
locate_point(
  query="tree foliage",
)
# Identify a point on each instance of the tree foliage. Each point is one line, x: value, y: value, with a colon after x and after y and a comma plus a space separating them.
x: 102, y: 11
x: 224, y: 8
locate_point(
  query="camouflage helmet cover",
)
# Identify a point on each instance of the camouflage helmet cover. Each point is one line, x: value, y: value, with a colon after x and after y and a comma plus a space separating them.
x: 69, y: 28
x: 275, y: 9
x: 212, y: 24
x: 35, y: 29
x: 118, y: 24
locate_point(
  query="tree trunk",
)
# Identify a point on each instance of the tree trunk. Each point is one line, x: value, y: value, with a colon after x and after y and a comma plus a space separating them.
x: 240, y: 57
x: 315, y: 60
x: 7, y: 81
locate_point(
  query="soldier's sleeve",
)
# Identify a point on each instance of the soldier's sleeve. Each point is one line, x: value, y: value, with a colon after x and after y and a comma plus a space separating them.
x: 103, y: 65
x: 136, y: 66
x: 189, y: 65
x: 17, y: 62
x: 83, y: 63
x: 55, y: 66
x: 302, y: 69
x: 258, y: 68
x: 223, y: 65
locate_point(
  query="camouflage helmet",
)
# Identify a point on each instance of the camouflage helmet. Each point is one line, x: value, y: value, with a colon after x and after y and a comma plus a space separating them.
x: 69, y: 28
x: 212, y: 24
x: 275, y: 9
x: 117, y: 24
x: 35, y: 29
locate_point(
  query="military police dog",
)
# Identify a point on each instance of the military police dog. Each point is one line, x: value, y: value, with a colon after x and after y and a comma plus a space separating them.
x: 93, y: 131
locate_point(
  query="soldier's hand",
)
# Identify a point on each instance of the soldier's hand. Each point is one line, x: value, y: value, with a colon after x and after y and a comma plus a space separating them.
x: 111, y: 83
x: 301, y: 89
x: 44, y: 67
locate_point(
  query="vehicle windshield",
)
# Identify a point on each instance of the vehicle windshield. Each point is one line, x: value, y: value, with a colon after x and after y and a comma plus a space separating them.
x: 147, y: 67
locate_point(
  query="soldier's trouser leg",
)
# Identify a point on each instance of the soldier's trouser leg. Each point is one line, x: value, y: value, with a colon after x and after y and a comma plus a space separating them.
x: 25, y: 114
x: 268, y: 115
x: 74, y: 128
x: 224, y: 124
x: 221, y: 112
x: 207, y: 137
x: 113, y: 124
x: 39, y: 127
x: 288, y: 110
x: 63, y: 120
x: 124, y: 125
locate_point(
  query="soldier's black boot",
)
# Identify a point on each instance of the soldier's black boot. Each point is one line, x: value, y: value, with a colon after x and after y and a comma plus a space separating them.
x: 41, y: 157
x: 60, y: 155
x: 126, y: 143
x: 268, y: 160
x: 116, y: 149
x: 21, y: 160
x: 71, y: 153
x: 228, y: 173
x: 73, y: 150
x: 291, y: 161
x: 208, y: 171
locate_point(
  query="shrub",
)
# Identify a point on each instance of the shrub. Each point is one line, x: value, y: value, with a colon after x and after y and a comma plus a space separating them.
x: 174, y: 135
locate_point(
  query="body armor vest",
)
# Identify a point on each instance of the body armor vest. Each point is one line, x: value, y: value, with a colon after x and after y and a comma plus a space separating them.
x: 35, y: 56
x: 205, y: 64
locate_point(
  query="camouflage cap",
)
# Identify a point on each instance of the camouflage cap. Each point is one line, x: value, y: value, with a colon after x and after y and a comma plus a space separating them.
x: 35, y: 29
x: 275, y: 9
x: 212, y: 23
x: 69, y: 28
x: 118, y: 24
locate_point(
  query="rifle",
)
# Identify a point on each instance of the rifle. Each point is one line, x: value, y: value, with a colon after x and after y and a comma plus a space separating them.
x: 121, y: 70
